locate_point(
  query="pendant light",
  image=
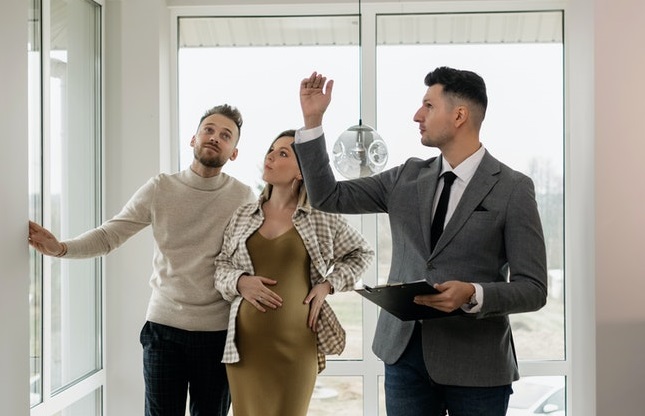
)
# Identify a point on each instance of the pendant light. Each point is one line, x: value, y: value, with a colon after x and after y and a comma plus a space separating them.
x: 359, y: 151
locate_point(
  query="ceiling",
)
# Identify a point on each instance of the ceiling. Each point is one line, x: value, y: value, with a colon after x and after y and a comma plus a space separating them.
x: 393, y: 29
x: 462, y: 28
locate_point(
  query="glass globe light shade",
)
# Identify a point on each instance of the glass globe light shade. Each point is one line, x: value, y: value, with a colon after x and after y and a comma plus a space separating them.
x: 359, y: 151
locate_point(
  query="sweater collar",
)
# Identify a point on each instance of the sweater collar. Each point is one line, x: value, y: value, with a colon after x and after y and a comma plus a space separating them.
x: 193, y: 180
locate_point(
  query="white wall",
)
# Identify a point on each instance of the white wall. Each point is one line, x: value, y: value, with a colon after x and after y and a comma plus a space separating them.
x: 620, y: 195
x: 135, y: 120
x: 14, y: 258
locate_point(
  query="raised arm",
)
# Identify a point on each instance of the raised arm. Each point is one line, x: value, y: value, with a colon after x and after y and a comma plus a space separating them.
x: 315, y: 96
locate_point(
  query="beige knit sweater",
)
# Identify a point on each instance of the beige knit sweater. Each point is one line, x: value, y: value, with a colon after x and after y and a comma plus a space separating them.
x: 188, y: 215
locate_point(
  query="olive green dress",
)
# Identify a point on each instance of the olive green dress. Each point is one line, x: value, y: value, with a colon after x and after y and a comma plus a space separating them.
x: 278, y: 353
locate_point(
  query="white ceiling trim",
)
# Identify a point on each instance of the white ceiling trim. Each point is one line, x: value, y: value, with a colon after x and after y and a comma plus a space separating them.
x: 393, y: 29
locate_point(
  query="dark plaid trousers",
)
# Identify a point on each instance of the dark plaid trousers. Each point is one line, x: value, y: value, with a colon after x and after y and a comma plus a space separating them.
x: 175, y: 362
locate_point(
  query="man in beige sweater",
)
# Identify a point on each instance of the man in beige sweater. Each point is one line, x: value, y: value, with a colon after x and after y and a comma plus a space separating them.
x: 185, y: 330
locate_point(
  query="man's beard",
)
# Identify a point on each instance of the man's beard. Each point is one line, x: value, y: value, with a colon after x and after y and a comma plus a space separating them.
x: 210, y: 162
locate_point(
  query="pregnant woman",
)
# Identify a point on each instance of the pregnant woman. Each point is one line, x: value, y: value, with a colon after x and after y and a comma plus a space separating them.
x: 279, y: 260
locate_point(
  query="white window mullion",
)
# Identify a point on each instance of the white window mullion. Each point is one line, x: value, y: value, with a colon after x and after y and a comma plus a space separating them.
x: 46, y: 214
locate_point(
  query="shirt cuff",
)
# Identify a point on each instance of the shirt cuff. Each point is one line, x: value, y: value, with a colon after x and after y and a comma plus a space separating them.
x: 305, y: 135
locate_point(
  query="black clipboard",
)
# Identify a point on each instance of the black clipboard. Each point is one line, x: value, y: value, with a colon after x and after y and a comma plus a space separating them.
x: 398, y: 299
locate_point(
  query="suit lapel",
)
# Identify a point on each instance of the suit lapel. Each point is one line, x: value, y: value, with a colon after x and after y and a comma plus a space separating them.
x: 486, y: 176
x: 426, y: 187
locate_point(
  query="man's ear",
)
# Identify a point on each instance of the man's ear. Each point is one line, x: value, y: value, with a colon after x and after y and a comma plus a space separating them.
x: 233, y: 155
x: 461, y: 115
x: 192, y: 141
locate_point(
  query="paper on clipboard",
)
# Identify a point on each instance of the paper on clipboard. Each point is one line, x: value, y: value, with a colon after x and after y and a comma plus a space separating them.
x: 398, y: 299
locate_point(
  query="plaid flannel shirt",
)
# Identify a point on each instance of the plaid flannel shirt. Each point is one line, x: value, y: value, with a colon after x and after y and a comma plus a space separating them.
x: 339, y: 254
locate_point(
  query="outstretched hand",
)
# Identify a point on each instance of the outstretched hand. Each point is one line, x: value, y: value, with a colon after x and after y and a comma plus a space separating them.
x: 44, y: 241
x: 315, y: 96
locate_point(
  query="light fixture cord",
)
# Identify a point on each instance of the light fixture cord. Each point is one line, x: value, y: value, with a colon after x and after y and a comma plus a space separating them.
x: 360, y: 64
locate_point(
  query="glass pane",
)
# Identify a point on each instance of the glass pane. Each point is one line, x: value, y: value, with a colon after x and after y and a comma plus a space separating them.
x: 538, y: 396
x: 218, y: 72
x: 337, y: 396
x: 90, y: 405
x: 348, y: 307
x: 381, y: 396
x: 74, y: 185
x: 384, y: 248
x: 528, y: 137
x: 35, y: 203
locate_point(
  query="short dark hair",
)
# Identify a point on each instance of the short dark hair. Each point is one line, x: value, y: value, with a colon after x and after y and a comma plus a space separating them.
x: 228, y: 112
x: 460, y: 83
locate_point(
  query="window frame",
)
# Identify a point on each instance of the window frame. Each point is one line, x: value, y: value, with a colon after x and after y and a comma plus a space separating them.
x: 55, y: 400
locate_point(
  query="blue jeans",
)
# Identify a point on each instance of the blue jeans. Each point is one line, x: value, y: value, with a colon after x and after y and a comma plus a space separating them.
x: 409, y: 390
x: 177, y: 361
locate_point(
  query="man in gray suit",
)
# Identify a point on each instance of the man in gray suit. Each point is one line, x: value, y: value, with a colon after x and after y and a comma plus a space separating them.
x: 489, y: 258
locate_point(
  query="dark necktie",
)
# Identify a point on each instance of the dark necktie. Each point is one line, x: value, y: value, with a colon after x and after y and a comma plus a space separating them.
x: 442, y: 207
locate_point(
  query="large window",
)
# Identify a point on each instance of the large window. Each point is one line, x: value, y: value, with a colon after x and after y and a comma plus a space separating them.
x: 65, y: 190
x: 256, y: 64
x: 520, y: 56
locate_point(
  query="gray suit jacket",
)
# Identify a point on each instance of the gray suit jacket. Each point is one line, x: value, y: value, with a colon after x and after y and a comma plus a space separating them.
x: 494, y: 238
